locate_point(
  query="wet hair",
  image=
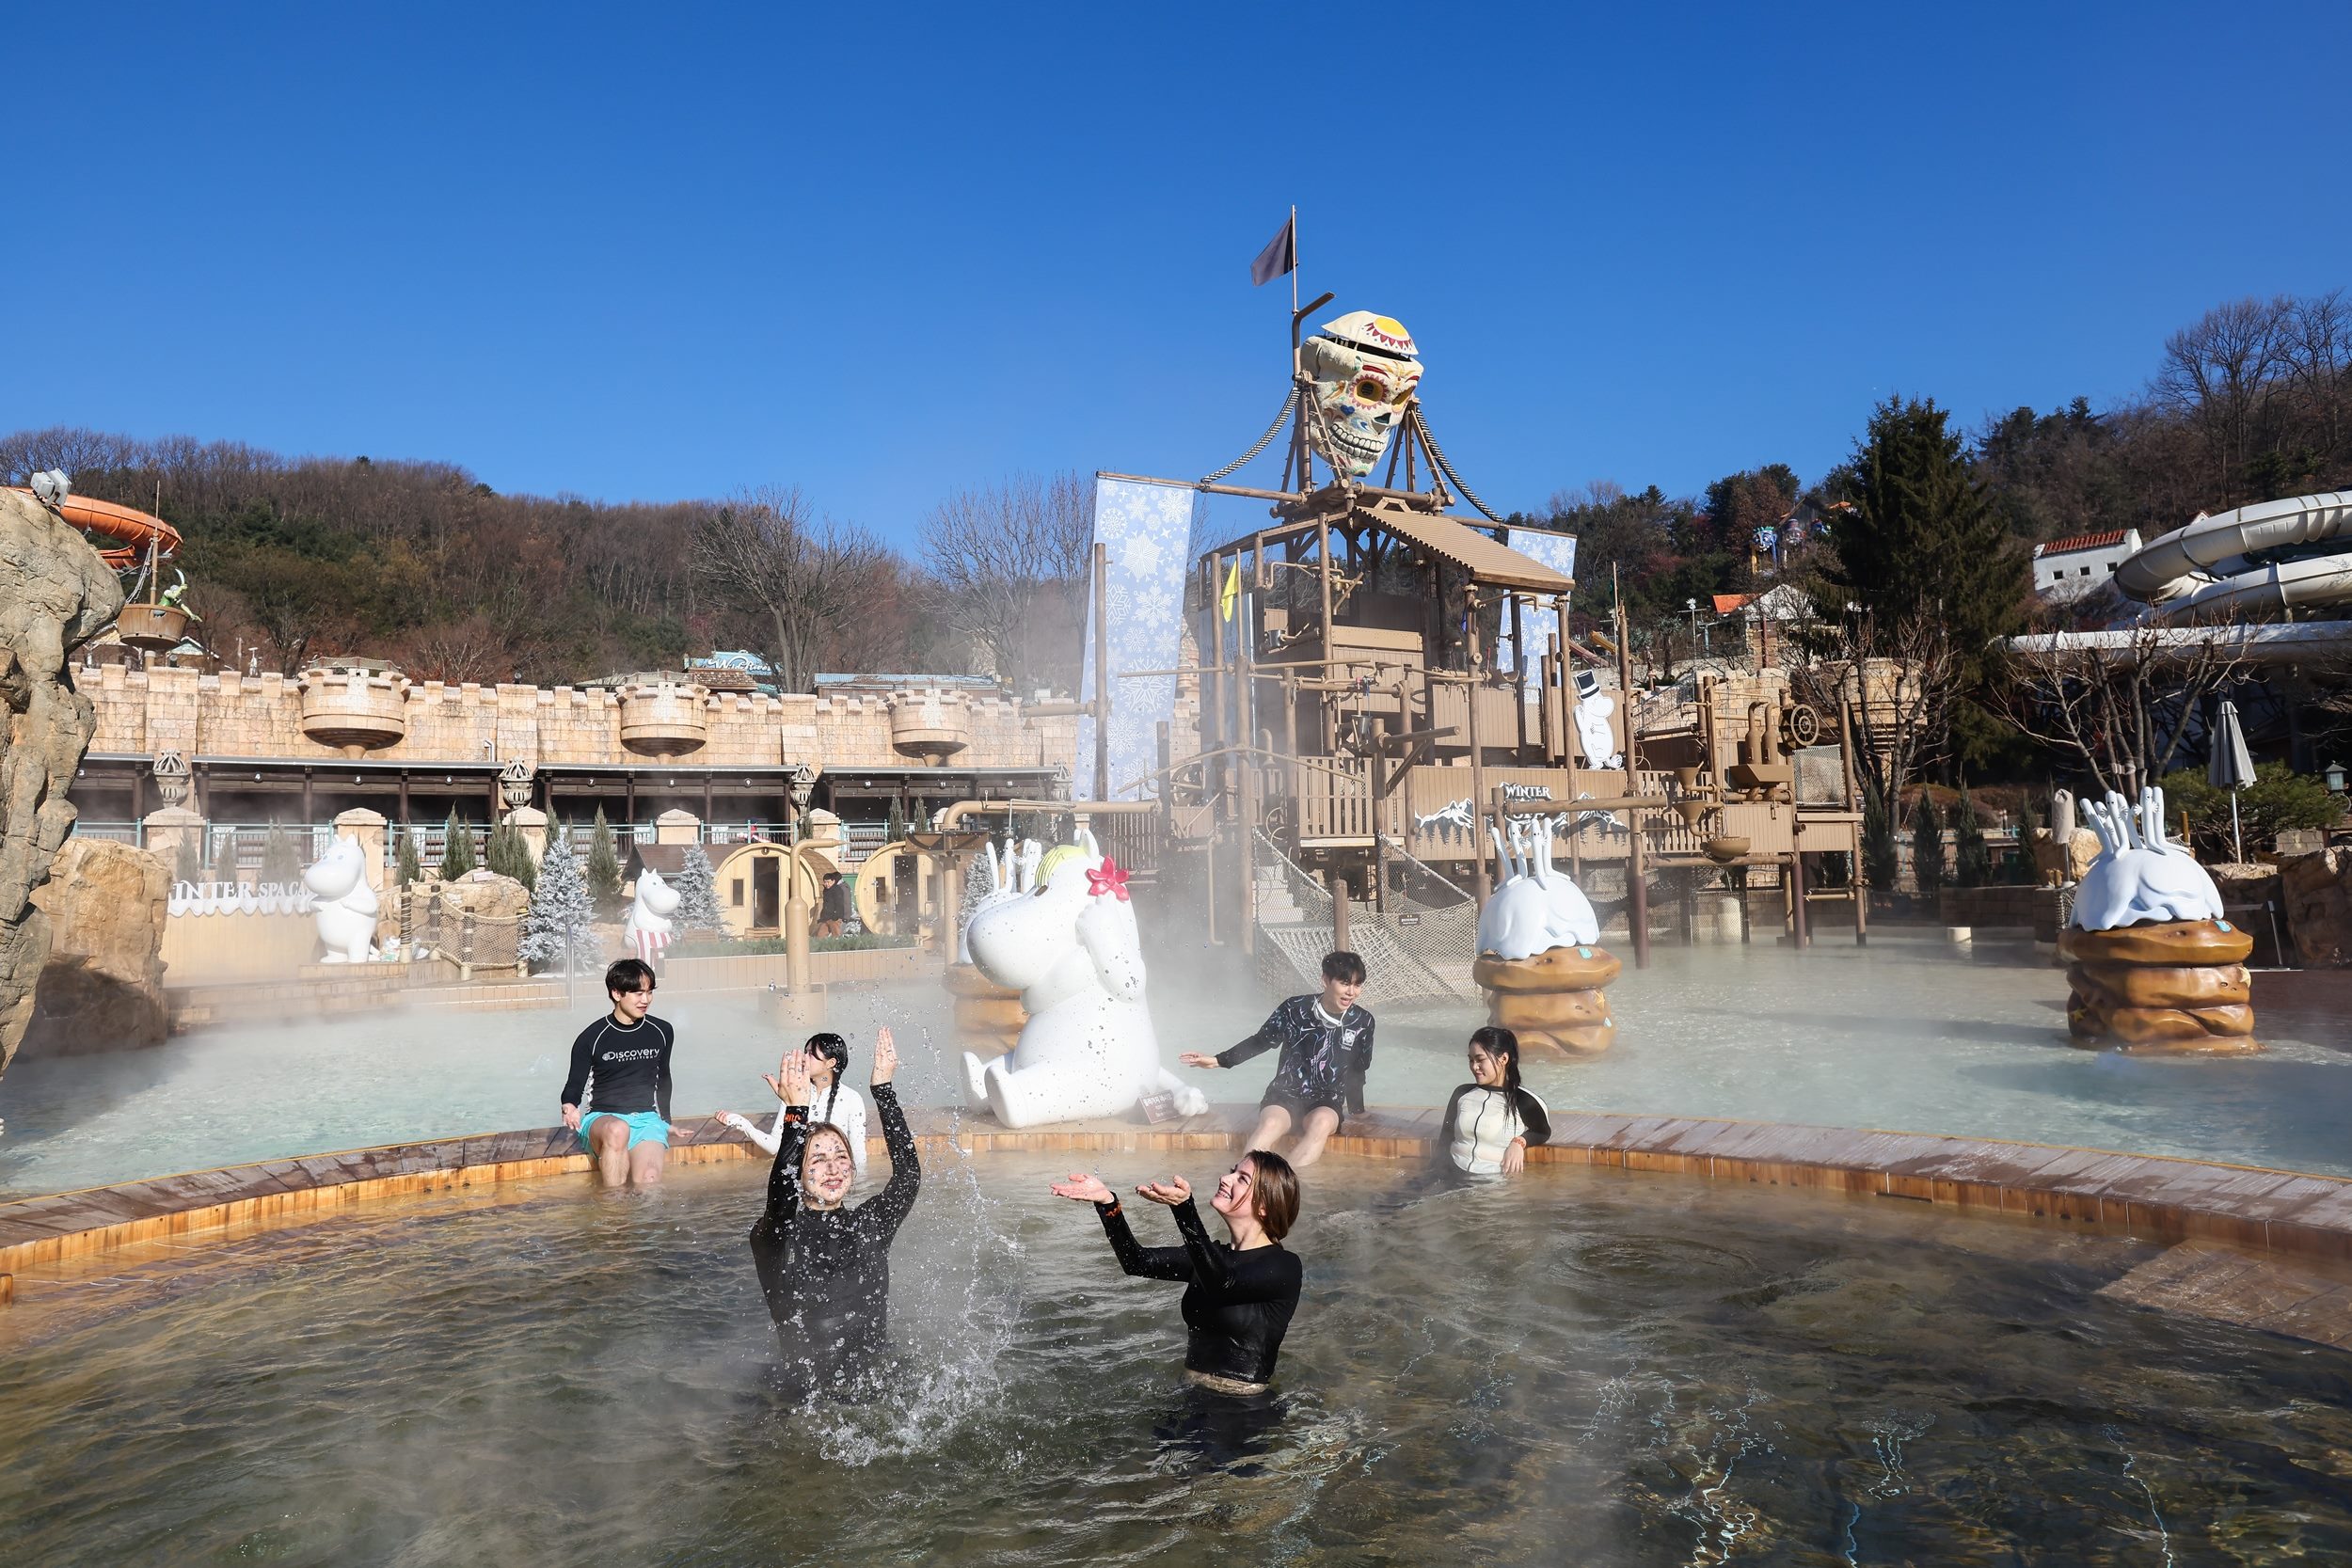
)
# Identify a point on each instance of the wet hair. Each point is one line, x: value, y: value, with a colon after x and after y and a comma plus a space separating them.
x: 628, y: 975
x: 1273, y: 1191
x: 1503, y: 1046
x: 1344, y: 967
x: 836, y: 1050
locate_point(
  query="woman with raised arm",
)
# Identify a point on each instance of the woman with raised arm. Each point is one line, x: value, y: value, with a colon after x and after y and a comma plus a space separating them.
x: 824, y: 1268
x: 1239, y: 1294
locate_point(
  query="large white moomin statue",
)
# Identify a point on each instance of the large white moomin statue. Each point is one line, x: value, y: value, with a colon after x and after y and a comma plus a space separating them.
x: 347, y: 906
x: 1070, y: 947
x: 647, y: 928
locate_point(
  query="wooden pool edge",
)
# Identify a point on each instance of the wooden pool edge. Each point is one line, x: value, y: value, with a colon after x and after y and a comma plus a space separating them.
x: 2157, y: 1197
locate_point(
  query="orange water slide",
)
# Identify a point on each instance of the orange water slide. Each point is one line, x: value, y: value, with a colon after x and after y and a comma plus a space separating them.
x: 135, y: 529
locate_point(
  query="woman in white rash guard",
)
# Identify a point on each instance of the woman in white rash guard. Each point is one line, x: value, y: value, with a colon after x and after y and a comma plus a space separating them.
x: 836, y: 1104
x: 1492, y: 1123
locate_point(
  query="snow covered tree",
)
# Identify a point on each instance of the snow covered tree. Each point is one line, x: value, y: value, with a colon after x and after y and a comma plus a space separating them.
x: 698, y: 893
x: 456, y: 849
x: 279, y: 863
x: 604, y: 865
x: 562, y: 915
x: 189, y: 864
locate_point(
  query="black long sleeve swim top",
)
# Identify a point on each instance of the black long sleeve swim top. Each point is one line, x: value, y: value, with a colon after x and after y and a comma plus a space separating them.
x: 826, y: 1272
x: 1237, y: 1304
x: 1323, y: 1059
x: 630, y: 1064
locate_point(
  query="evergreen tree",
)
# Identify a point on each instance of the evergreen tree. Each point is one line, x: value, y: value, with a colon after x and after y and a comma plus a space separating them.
x: 405, y: 870
x: 1972, y: 861
x: 279, y: 863
x: 509, y: 856
x: 1927, y: 846
x: 456, y: 849
x: 1881, y: 863
x: 189, y: 865
x: 604, y: 865
x: 698, y: 893
x: 562, y: 913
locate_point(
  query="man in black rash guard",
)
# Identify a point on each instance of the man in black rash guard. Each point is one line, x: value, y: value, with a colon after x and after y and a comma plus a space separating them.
x: 624, y: 1119
x: 824, y: 1269
x: 1325, y: 1046
x: 1239, y: 1295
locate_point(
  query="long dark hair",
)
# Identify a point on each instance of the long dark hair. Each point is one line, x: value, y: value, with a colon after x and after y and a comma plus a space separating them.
x: 1503, y: 1046
x: 836, y: 1050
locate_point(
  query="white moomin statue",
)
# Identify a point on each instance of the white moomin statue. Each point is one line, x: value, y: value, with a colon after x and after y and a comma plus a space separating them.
x: 647, y: 928
x: 348, y: 907
x: 1012, y: 876
x: 1071, y: 949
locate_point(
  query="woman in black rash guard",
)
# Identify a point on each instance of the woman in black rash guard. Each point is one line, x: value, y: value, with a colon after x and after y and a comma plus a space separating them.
x: 825, y: 1269
x: 1239, y: 1295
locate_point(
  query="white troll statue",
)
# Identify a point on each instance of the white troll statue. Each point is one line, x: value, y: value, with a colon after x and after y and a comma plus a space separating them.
x: 2140, y: 874
x: 348, y: 907
x: 647, y: 929
x: 1538, y: 908
x: 1012, y: 876
x: 1070, y: 947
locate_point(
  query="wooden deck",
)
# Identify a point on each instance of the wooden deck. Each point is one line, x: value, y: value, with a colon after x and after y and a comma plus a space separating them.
x: 2166, y: 1200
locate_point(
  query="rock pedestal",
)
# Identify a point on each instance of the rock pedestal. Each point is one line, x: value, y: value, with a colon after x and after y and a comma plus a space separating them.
x: 2178, y: 984
x: 103, y: 989
x: 988, y: 1016
x: 2317, y: 891
x: 1554, y: 1000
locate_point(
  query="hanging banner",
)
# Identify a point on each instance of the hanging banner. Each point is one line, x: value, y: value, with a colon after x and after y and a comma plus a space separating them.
x: 1557, y: 552
x: 1149, y: 529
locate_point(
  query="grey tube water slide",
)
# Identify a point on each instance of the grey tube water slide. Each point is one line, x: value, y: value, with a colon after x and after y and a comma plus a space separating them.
x: 2293, y: 554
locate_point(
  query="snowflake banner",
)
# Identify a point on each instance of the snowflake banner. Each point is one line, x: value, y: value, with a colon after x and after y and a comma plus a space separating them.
x: 1149, y: 528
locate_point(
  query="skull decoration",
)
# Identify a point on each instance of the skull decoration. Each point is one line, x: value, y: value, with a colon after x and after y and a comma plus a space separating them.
x: 2143, y: 876
x: 1364, y: 374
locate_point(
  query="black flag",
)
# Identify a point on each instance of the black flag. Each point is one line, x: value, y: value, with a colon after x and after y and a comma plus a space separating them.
x: 1279, y: 256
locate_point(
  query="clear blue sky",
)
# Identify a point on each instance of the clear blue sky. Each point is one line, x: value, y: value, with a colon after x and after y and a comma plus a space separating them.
x: 662, y: 252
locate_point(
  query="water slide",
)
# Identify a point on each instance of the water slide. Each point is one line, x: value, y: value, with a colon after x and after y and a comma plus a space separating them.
x: 134, y: 531
x: 2282, y: 555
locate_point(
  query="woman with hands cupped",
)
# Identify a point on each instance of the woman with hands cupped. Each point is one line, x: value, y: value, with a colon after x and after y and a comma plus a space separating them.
x: 1240, y: 1293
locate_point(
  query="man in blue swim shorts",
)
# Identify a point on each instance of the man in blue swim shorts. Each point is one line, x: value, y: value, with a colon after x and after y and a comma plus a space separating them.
x: 617, y: 1098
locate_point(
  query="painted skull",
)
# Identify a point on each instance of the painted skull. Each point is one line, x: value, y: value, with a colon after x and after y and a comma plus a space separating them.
x: 2141, y: 876
x: 1364, y: 374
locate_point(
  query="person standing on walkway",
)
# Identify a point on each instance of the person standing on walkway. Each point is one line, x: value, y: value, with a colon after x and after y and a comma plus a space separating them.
x: 617, y: 1095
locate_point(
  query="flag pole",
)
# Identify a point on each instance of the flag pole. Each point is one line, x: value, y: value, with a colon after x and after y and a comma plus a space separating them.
x: 1294, y: 259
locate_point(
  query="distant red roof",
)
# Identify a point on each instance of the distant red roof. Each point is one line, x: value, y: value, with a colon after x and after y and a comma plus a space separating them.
x: 2081, y: 541
x: 1726, y: 603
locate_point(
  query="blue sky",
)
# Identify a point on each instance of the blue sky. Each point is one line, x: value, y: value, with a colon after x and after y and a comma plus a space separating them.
x: 882, y: 253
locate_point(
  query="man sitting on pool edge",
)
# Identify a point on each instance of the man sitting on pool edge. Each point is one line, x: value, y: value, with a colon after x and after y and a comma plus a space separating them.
x: 1326, y: 1045
x: 624, y: 1118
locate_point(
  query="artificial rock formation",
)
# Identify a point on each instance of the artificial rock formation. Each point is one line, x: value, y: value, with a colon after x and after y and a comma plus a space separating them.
x: 2178, y: 984
x: 2317, y: 892
x: 102, y: 988
x: 56, y: 593
x: 1554, y: 1000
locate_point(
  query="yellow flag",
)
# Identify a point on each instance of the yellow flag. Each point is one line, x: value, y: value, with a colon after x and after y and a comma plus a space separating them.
x: 1231, y: 596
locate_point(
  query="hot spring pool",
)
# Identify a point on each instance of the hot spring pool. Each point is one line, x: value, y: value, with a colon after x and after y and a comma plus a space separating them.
x: 1581, y: 1368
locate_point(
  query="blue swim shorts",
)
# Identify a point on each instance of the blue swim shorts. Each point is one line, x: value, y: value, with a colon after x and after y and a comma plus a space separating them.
x: 644, y: 1127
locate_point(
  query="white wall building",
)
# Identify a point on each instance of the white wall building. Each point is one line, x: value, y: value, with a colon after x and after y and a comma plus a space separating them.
x: 2067, y: 569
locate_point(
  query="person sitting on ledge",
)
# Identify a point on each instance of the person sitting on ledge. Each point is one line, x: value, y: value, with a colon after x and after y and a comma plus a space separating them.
x: 1239, y: 1295
x: 1325, y: 1043
x: 624, y: 1118
x: 836, y: 1104
x: 825, y: 1269
x: 1492, y: 1123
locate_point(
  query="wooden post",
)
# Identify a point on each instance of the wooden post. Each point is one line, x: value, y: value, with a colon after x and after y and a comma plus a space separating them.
x: 1338, y: 884
x: 1796, y: 892
x: 1519, y: 662
x: 1636, y: 874
x: 1480, y: 885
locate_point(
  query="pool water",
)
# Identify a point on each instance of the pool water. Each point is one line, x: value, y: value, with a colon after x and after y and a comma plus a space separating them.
x: 1900, y: 1034
x: 1577, y: 1367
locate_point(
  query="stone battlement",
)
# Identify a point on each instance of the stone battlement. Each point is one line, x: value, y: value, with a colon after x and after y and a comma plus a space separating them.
x: 335, y: 710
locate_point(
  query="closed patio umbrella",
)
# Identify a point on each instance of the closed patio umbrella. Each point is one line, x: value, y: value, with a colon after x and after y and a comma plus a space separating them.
x: 2230, y: 768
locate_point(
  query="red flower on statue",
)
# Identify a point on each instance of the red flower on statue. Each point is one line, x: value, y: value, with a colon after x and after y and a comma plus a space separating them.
x: 1111, y: 878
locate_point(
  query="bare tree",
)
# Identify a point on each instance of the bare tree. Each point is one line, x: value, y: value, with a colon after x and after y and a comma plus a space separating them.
x: 1012, y: 562
x: 2219, y: 373
x: 1893, y: 676
x: 764, y: 549
x: 2122, y: 701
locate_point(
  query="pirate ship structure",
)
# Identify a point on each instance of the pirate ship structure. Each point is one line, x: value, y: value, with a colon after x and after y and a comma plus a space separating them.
x: 1371, y: 684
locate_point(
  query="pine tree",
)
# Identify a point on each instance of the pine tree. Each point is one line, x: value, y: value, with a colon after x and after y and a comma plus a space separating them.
x: 509, y: 856
x: 1880, y: 860
x: 456, y: 849
x: 1927, y: 846
x: 189, y: 865
x: 562, y: 913
x: 604, y: 865
x: 279, y: 863
x: 1972, y: 861
x: 406, y: 871
x: 698, y: 893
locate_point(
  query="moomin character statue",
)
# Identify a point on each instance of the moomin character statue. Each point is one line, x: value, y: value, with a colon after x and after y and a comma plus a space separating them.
x: 647, y: 929
x: 348, y: 907
x: 1539, y: 959
x: 1071, y: 949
